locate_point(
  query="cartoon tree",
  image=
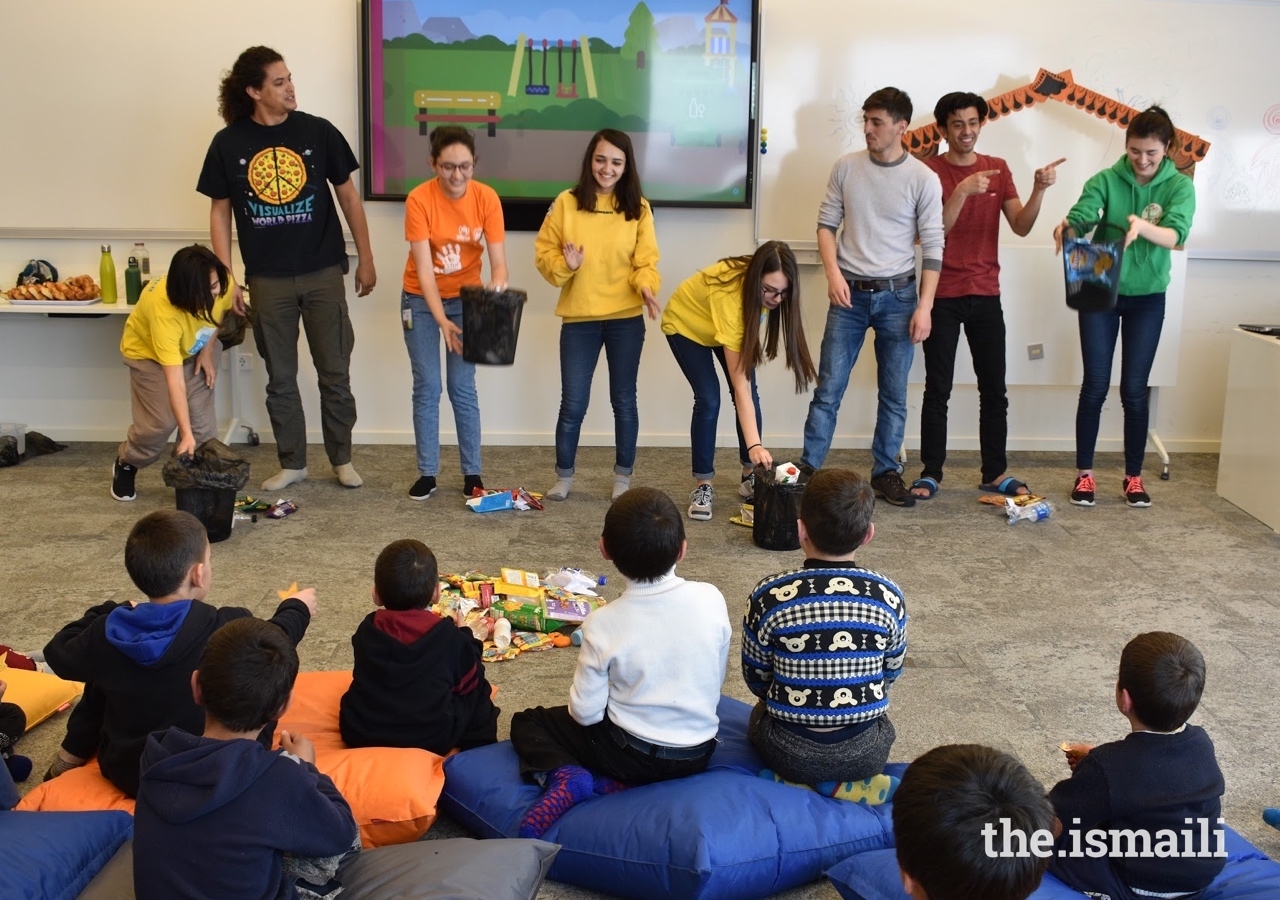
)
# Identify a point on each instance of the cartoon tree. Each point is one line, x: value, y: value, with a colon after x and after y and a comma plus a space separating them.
x: 640, y: 37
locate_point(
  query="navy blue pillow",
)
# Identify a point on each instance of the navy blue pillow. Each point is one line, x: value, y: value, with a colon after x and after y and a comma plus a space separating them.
x: 1249, y: 875
x: 725, y: 833
x: 53, y: 855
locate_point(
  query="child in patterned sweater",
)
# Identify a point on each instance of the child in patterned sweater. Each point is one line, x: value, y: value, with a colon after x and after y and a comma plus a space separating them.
x: 820, y: 647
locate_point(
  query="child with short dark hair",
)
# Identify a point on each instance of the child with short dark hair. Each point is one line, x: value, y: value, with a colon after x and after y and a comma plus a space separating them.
x: 642, y: 707
x: 137, y: 658
x: 947, y: 798
x: 821, y: 646
x: 418, y: 679
x: 1162, y: 781
x: 239, y: 806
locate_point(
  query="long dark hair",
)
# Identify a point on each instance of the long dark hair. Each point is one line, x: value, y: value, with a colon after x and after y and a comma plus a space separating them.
x: 249, y: 71
x: 627, y: 194
x: 1152, y: 122
x: 187, y: 282
x: 749, y: 271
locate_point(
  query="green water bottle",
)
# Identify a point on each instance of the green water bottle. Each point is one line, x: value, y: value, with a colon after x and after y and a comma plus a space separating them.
x: 107, y: 275
x: 132, y: 281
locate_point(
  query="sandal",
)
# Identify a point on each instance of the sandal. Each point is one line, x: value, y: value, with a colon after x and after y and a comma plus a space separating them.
x: 924, y: 483
x: 1008, y: 486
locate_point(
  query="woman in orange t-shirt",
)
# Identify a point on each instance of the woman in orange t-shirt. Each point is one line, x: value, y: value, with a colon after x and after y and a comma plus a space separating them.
x: 448, y: 221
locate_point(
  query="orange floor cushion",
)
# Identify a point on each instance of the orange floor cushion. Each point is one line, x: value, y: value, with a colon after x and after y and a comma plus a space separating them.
x: 392, y: 792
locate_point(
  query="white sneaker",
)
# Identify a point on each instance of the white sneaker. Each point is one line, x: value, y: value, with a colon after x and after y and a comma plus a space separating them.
x: 700, y: 502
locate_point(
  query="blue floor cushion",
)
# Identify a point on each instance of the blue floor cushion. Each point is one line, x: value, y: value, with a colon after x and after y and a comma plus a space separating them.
x: 53, y: 855
x: 724, y: 833
x: 1249, y: 875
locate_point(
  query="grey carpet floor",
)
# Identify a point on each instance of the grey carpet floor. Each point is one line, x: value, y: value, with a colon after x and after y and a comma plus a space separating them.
x: 1014, y: 637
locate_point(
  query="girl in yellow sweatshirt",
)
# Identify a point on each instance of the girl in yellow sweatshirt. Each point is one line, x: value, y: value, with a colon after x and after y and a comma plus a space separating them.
x: 598, y: 246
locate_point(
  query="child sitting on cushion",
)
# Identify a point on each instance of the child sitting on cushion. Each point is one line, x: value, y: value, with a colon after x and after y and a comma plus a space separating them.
x: 418, y: 679
x: 947, y: 798
x: 13, y: 724
x: 137, y: 659
x: 1162, y: 780
x: 820, y: 647
x: 642, y: 707
x: 219, y: 815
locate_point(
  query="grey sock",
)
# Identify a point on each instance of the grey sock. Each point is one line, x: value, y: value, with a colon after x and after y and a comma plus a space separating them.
x: 621, y: 484
x: 560, y: 490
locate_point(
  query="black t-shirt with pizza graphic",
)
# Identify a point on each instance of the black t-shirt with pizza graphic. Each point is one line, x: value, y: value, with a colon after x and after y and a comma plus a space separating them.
x: 277, y: 178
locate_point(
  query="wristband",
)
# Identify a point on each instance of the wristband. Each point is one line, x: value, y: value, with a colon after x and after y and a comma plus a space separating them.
x: 754, y: 446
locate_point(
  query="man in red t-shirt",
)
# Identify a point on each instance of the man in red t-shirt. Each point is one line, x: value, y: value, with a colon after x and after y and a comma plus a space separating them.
x: 976, y: 189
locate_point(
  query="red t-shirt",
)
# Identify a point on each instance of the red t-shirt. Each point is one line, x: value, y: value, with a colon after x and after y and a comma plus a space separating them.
x: 971, y: 258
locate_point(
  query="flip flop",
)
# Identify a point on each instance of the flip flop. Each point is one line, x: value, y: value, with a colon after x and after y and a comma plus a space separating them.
x: 1007, y: 486
x: 928, y: 484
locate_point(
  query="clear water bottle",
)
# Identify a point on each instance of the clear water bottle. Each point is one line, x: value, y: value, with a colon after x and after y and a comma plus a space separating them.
x: 1031, y: 512
x: 143, y: 256
x: 107, y: 275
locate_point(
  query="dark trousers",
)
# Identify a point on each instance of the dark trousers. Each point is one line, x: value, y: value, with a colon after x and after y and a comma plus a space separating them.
x: 1094, y: 876
x: 983, y: 322
x: 1137, y: 320
x: 547, y: 739
x: 698, y: 363
x: 13, y: 724
x: 580, y: 346
x: 319, y: 300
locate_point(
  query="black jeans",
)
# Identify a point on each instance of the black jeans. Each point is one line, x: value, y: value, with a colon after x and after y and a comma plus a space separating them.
x: 983, y: 321
x: 547, y: 739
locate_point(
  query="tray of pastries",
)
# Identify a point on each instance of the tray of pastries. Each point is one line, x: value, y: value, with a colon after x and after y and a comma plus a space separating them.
x: 81, y: 290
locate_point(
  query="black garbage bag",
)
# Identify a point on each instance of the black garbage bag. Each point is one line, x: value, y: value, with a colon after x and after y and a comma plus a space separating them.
x: 9, y: 451
x: 39, y: 445
x: 491, y: 325
x: 777, y: 506
x: 213, y: 465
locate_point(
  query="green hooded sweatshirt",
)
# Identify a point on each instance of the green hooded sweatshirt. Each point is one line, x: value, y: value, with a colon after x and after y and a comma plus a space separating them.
x: 1167, y: 200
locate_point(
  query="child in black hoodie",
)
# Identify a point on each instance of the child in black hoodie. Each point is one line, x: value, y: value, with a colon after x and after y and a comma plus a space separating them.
x: 218, y: 813
x: 418, y: 679
x: 137, y: 659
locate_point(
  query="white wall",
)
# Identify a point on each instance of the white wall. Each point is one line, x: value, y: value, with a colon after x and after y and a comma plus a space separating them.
x: 64, y: 377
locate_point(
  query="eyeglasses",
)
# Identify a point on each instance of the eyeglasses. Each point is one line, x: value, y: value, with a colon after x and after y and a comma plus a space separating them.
x: 770, y: 293
x: 450, y: 168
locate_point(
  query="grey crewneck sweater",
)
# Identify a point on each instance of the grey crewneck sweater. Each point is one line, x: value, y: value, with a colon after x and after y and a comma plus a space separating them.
x: 883, y: 208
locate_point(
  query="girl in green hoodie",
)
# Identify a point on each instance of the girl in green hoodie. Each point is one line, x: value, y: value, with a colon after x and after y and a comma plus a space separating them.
x: 1144, y: 194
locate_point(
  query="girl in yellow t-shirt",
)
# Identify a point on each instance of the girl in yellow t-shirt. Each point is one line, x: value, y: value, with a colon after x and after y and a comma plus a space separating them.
x: 448, y: 222
x: 706, y: 320
x: 597, y: 244
x: 171, y: 347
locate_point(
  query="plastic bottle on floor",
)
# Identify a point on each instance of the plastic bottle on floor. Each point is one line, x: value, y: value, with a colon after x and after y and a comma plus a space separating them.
x: 502, y: 634
x: 1032, y: 512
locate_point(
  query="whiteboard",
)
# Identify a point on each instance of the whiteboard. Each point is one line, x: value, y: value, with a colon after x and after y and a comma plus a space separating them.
x: 1209, y: 64
x: 109, y: 108
x: 1212, y: 65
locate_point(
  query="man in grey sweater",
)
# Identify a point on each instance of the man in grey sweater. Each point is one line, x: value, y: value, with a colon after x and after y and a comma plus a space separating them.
x: 878, y: 202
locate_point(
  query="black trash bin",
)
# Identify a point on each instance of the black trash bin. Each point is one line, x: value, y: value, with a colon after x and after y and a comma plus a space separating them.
x: 214, y: 507
x: 1092, y: 268
x: 491, y: 325
x: 205, y: 484
x: 777, y: 506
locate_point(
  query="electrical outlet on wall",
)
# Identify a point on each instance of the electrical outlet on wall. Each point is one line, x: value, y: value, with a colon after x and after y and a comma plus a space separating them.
x: 1035, y: 351
x: 244, y: 362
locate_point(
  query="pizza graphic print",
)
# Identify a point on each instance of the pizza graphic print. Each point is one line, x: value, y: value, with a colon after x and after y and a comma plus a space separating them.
x: 277, y: 175
x: 279, y: 191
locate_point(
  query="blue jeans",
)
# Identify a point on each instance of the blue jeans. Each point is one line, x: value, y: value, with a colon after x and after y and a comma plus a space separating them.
x: 698, y: 365
x: 580, y: 343
x: 889, y: 313
x: 423, y: 343
x: 1137, y: 320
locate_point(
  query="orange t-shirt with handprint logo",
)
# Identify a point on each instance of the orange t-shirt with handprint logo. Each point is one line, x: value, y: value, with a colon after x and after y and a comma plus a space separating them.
x: 457, y: 231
